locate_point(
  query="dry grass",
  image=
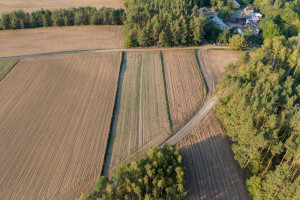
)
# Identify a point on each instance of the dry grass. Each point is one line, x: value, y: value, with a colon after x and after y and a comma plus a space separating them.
x: 55, y: 115
x: 219, y: 59
x: 185, y: 87
x: 56, y: 39
x: 143, y: 111
x: 211, y: 171
x: 32, y: 5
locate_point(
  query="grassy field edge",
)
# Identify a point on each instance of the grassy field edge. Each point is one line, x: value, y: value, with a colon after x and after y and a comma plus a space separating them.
x: 10, y: 68
x: 119, y: 87
x: 166, y: 94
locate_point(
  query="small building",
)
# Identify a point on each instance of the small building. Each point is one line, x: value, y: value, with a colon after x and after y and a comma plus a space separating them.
x: 242, y: 29
x: 256, y: 16
x: 238, y: 17
x: 220, y: 23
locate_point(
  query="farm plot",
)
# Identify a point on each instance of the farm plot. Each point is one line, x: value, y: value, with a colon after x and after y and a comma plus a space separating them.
x: 32, y: 5
x: 57, y: 39
x: 185, y: 86
x: 143, y: 109
x: 211, y: 171
x: 218, y: 60
x: 55, y: 115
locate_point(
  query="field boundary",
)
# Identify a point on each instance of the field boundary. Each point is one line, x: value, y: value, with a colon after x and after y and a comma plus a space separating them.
x: 111, y: 136
x: 202, y: 75
x: 166, y: 94
x: 17, y: 61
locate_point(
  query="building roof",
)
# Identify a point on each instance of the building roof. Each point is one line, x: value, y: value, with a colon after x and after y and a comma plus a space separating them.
x: 220, y: 23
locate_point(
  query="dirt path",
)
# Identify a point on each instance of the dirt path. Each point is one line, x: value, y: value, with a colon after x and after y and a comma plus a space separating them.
x: 184, y: 131
x: 207, y: 46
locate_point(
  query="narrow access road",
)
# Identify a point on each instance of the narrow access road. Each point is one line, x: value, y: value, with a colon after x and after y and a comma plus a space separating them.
x: 107, y: 50
x: 184, y: 131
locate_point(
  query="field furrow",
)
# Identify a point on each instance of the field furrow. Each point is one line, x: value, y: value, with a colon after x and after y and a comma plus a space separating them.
x: 55, y: 116
x: 185, y: 86
x: 212, y: 173
x: 142, y: 112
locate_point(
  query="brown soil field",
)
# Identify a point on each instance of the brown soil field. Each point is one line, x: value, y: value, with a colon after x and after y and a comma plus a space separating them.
x: 219, y: 59
x: 56, y: 39
x: 32, y: 5
x: 143, y: 110
x: 55, y: 116
x: 211, y: 171
x: 186, y: 89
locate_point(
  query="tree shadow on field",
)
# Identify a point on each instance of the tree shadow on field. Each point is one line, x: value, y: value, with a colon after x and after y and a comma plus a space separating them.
x: 112, y: 135
x: 211, y: 171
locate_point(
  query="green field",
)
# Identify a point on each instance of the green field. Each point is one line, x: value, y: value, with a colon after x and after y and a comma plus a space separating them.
x: 6, y: 66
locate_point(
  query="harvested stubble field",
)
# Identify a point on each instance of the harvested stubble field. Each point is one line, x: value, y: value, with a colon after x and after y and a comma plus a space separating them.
x: 55, y: 115
x: 143, y: 109
x: 218, y: 60
x: 33, y: 5
x: 6, y: 66
x: 185, y: 86
x: 212, y: 173
x: 57, y: 39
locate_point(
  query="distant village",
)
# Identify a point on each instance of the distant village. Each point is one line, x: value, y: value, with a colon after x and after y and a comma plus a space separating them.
x: 241, y: 21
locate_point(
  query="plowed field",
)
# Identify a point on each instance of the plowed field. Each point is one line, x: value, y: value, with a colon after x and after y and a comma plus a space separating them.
x: 186, y: 89
x: 57, y: 39
x: 212, y: 173
x: 32, y: 5
x: 55, y: 115
x: 143, y: 112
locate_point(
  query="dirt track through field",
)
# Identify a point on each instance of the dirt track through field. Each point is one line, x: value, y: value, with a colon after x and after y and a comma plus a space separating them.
x: 55, y: 116
x: 212, y: 173
x: 142, y: 111
x: 185, y: 87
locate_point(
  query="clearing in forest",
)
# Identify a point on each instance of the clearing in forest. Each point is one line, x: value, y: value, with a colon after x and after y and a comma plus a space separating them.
x: 143, y: 109
x: 186, y: 90
x: 6, y: 66
x: 211, y: 171
x: 57, y: 39
x: 33, y: 5
x: 55, y: 115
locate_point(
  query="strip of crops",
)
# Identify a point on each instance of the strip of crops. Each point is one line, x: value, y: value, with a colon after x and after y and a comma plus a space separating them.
x: 143, y: 109
x: 185, y: 86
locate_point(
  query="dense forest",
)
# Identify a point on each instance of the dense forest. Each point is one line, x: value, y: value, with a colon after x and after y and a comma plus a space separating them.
x: 281, y: 17
x: 62, y: 17
x: 157, y: 175
x: 260, y: 110
x: 163, y: 23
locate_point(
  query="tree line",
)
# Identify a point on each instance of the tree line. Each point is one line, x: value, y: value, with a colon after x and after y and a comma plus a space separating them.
x: 62, y: 17
x: 260, y: 110
x: 157, y: 175
x: 163, y: 23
